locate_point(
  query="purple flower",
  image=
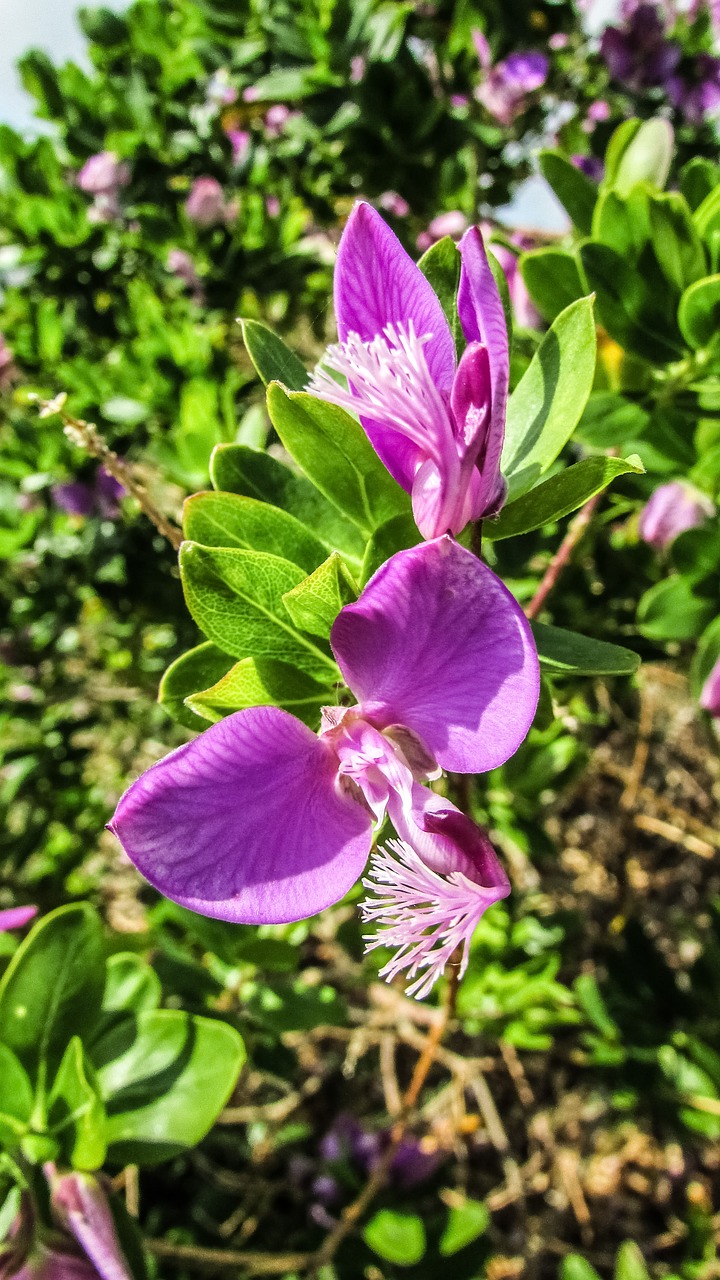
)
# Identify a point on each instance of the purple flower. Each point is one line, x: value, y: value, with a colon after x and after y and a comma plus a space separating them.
x: 638, y: 54
x: 240, y: 142
x: 181, y: 264
x: 504, y: 89
x: 525, y: 312
x: 206, y: 204
x: 393, y: 203
x: 272, y: 206
x: 357, y: 69
x: 673, y: 508
x: 698, y: 98
x: 277, y: 117
x: 438, y: 425
x: 7, y: 364
x: 710, y: 696
x: 415, y: 1160
x: 591, y: 166
x: 83, y: 1247
x: 259, y: 820
x: 103, y: 174
x: 453, y: 223
x: 16, y: 917
x: 100, y: 497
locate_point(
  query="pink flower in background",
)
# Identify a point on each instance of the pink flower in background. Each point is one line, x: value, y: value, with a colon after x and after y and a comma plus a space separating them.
x: 436, y: 423
x: 276, y: 119
x: 240, y: 142
x: 250, y: 94
x: 181, y: 265
x: 104, y: 176
x: 672, y: 509
x: 558, y: 41
x: 16, y: 917
x: 392, y: 203
x: 272, y: 206
x: 259, y: 820
x: 206, y: 205
x: 505, y: 87
x: 100, y: 497
x: 710, y: 696
x: 7, y: 364
x: 357, y: 69
x: 525, y: 312
x: 453, y: 223
x: 103, y: 173
x: 459, y: 101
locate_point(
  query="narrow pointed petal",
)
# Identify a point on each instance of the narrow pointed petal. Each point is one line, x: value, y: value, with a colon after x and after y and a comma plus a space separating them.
x: 245, y: 823
x: 436, y: 642
x: 480, y: 438
x: 377, y: 283
x: 80, y: 1204
x: 483, y: 319
x: 16, y: 917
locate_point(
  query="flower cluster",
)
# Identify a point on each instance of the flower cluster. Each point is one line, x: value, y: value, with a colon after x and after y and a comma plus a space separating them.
x: 104, y: 177
x: 261, y: 820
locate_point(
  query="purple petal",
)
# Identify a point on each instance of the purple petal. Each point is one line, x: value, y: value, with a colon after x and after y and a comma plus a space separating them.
x: 710, y: 696
x: 481, y: 433
x: 16, y: 917
x: 245, y: 822
x: 483, y: 320
x: 377, y: 283
x: 81, y: 1206
x: 437, y: 643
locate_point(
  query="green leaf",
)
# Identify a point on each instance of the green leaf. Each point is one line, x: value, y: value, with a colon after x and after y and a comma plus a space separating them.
x: 466, y: 1222
x: 441, y: 267
x: 398, y: 534
x: 559, y: 495
x: 547, y: 403
x: 16, y: 1097
x: 53, y: 986
x: 699, y: 312
x: 568, y: 653
x: 130, y: 983
x: 76, y: 1111
x: 573, y: 188
x: 574, y: 1267
x: 239, y: 469
x: 623, y: 222
x: 229, y: 520
x: 639, y: 152
x: 236, y: 598
x: 263, y: 683
x: 165, y: 1076
x: 697, y: 179
x: 672, y: 611
x: 707, y: 216
x: 273, y: 360
x: 315, y: 603
x: 628, y: 304
x: 196, y: 669
x: 630, y: 1264
x: 610, y: 421
x: 396, y: 1237
x: 553, y: 280
x: 705, y: 657
x: 676, y: 242
x: 336, y: 455
x: 593, y: 1006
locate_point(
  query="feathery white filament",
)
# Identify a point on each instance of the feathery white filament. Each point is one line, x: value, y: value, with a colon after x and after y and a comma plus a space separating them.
x: 425, y: 915
x: 388, y: 381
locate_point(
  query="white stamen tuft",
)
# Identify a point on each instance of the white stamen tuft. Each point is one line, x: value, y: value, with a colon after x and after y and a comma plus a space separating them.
x: 389, y: 381
x: 425, y: 915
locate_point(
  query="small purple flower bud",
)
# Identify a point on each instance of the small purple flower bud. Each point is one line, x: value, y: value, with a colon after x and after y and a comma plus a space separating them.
x: 325, y: 1189
x: 276, y: 118
x: 74, y: 498
x: 710, y: 696
x: 453, y: 223
x: 394, y: 204
x: 108, y: 492
x: 251, y: 94
x: 415, y: 1160
x: 205, y: 205
x: 103, y: 174
x: 672, y: 509
x: 357, y: 69
x: 81, y: 1208
x: 459, y: 101
x: 181, y: 264
x: 16, y: 917
x: 591, y: 166
x: 558, y: 41
x: 272, y: 206
x: 599, y: 111
x: 240, y: 142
